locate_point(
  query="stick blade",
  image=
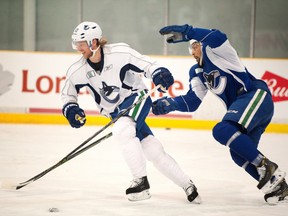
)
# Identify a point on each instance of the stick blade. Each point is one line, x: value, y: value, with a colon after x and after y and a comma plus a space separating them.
x: 19, y: 187
x: 23, y: 184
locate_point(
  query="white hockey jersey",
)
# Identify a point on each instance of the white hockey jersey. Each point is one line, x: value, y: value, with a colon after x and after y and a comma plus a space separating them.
x: 121, y: 75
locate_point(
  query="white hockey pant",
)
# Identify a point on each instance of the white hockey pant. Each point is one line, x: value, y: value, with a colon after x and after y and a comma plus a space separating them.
x: 155, y: 153
x: 124, y: 132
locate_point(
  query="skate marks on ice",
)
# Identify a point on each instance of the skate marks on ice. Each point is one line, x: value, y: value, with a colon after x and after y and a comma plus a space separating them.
x: 94, y: 183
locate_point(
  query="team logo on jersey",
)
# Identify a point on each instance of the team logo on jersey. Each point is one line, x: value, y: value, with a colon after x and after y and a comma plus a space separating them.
x: 215, y: 82
x: 110, y: 93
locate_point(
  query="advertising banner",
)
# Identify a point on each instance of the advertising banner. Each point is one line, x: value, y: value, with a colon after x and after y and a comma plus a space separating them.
x: 32, y: 82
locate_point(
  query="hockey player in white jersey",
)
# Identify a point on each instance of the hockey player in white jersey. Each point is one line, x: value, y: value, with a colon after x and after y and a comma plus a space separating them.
x: 247, y: 99
x: 113, y: 74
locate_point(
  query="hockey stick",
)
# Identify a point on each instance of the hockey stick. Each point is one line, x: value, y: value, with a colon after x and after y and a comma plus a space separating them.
x: 117, y: 117
x: 76, y: 152
x: 64, y: 160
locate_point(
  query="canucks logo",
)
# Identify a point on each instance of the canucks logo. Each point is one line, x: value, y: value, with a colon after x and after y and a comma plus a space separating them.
x: 215, y: 82
x: 110, y: 93
x: 86, y: 27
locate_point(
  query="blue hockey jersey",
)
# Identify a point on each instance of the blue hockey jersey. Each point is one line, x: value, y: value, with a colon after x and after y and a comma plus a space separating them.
x: 222, y: 72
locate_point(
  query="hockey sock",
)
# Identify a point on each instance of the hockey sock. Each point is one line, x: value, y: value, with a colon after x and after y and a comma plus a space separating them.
x: 246, y: 165
x: 229, y: 134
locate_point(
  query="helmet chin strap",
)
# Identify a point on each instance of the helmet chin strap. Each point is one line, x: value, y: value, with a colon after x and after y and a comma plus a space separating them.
x: 94, y: 51
x: 201, y: 60
x: 201, y: 57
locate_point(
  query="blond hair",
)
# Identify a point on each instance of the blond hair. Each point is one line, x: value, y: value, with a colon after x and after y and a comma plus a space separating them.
x: 103, y: 41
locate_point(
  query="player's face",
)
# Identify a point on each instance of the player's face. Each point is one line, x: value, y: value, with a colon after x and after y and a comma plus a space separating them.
x: 83, y: 48
x: 196, y: 51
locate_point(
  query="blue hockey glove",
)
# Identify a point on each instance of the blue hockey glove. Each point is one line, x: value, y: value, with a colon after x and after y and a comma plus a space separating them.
x: 164, y: 105
x: 179, y: 33
x: 163, y: 77
x: 74, y: 114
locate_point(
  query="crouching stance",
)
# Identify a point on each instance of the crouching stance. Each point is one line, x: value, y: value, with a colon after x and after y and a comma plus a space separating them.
x: 248, y: 101
x: 112, y: 73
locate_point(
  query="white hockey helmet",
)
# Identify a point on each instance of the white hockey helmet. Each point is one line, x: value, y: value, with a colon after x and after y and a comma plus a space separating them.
x: 86, y: 31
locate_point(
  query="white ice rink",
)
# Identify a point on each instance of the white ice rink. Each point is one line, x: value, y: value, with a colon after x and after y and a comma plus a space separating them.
x: 94, y: 183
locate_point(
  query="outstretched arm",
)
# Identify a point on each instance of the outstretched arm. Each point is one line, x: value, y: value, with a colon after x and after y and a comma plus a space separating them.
x: 182, y: 33
x: 184, y: 103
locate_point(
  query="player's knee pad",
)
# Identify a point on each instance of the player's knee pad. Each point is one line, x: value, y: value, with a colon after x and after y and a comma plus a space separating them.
x: 225, y: 132
x: 152, y: 148
x: 238, y: 159
x: 124, y: 129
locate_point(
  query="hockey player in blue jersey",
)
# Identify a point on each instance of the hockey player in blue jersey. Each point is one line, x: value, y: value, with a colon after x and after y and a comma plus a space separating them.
x: 248, y: 101
x: 113, y: 74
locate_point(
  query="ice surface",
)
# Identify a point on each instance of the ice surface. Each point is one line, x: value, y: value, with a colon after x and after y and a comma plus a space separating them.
x: 94, y: 183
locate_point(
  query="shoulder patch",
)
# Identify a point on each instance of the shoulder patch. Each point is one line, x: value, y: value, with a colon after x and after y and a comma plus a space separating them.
x: 198, y: 70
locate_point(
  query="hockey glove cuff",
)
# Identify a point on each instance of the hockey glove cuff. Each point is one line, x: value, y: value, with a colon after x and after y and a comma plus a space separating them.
x: 164, y: 105
x: 180, y: 33
x: 74, y: 114
x: 163, y: 77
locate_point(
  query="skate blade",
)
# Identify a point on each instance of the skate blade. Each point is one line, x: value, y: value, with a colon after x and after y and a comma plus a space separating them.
x: 277, y: 177
x: 197, y: 200
x: 275, y: 201
x: 272, y: 200
x: 139, y: 196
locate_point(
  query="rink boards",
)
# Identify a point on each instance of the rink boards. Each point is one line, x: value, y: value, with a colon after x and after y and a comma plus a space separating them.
x: 30, y: 91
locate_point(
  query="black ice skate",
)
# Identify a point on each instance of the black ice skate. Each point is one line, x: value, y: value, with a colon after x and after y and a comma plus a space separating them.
x: 280, y: 193
x: 139, y: 189
x: 191, y: 192
x: 270, y: 175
